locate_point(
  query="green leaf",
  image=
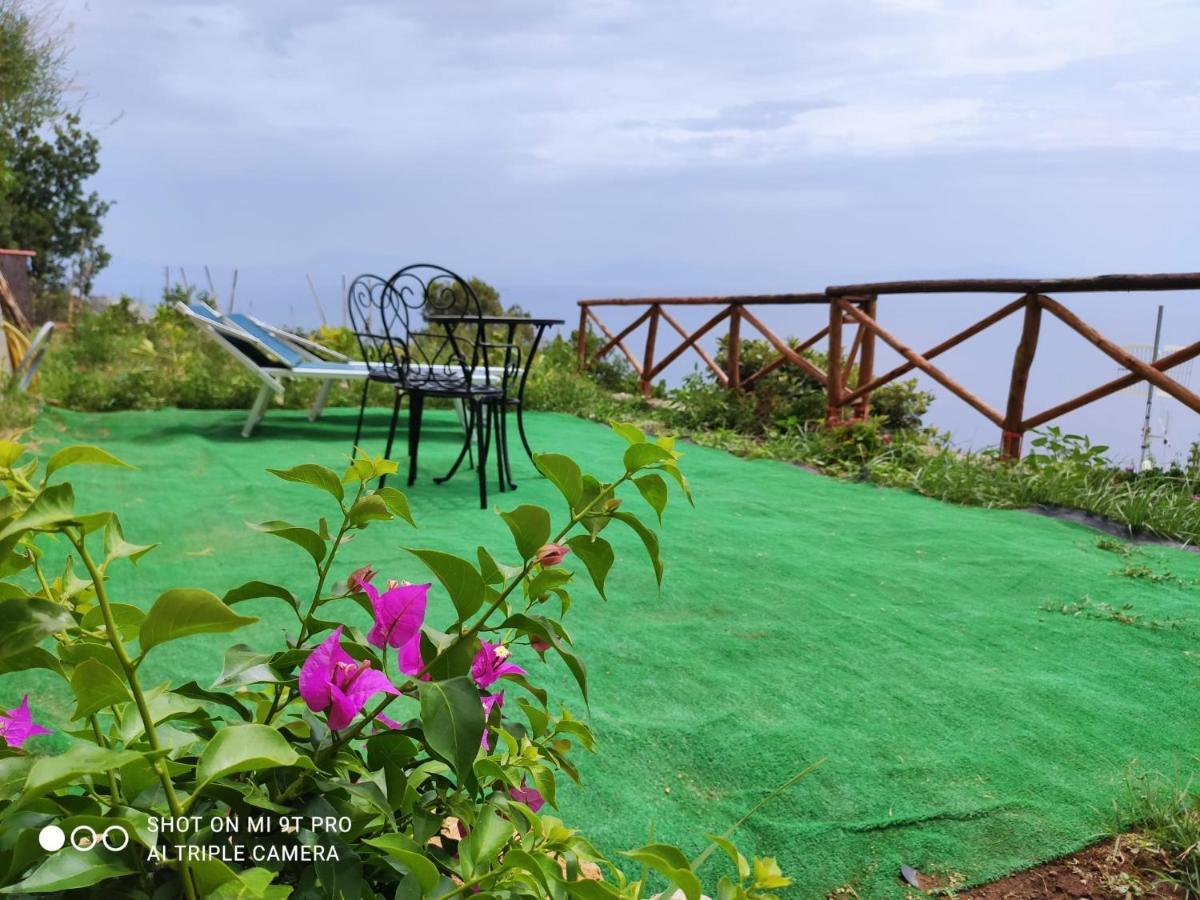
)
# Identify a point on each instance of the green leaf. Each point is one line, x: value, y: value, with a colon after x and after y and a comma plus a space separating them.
x: 654, y: 492
x: 631, y: 433
x: 10, y: 452
x: 245, y: 665
x: 639, y: 456
x: 563, y: 473
x: 460, y: 579
x: 530, y: 526
x: 452, y: 719
x: 370, y: 508
x: 727, y: 846
x: 54, y: 505
x: 51, y: 772
x: 33, y: 658
x: 184, y: 611
x: 597, y: 555
x: 193, y: 691
x: 320, y: 477
x: 70, y: 870
x: 82, y: 454
x: 96, y: 686
x: 549, y: 632
x: 304, y: 537
x: 409, y: 854
x: 673, y: 471
x: 26, y: 623
x: 252, y: 590
x: 670, y: 862
x: 244, y: 748
x: 116, y: 547
x: 251, y: 884
x: 397, y: 503
x: 649, y: 538
x: 488, y: 836
x: 127, y: 617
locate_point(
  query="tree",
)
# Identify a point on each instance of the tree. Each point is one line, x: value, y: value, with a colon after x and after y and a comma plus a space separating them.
x: 45, y: 156
x: 31, y: 83
x: 50, y: 212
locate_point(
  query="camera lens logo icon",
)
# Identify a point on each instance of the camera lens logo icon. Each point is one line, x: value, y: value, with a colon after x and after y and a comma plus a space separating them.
x: 84, y: 838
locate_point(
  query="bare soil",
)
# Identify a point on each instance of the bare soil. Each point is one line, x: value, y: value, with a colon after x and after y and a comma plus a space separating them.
x: 1115, y: 869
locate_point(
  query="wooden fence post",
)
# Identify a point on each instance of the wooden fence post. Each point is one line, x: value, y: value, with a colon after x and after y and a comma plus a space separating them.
x: 581, y: 337
x: 1014, y: 431
x: 735, y: 348
x: 833, y: 390
x: 648, y: 358
x: 866, y: 362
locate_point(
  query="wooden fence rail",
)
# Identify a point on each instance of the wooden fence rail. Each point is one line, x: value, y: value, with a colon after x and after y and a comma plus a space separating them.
x: 857, y: 306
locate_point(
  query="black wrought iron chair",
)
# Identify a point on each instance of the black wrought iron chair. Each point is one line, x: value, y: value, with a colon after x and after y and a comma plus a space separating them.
x: 365, y: 303
x: 422, y: 360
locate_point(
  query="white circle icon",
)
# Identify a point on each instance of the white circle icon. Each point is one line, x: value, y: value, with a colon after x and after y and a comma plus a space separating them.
x: 52, y: 838
x: 115, y: 838
x: 83, y: 837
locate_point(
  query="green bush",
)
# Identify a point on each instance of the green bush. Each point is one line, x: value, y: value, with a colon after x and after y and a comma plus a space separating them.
x: 114, y: 359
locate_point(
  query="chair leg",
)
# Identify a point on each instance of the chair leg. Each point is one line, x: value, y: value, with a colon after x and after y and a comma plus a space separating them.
x: 495, y: 422
x: 362, y: 409
x: 416, y: 405
x: 387, y: 453
x: 482, y: 433
x: 322, y: 397
x: 466, y: 447
x: 257, y: 411
x: 521, y: 429
x: 504, y: 443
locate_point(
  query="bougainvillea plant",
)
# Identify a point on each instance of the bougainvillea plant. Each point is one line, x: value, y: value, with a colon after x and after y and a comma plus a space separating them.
x: 376, y: 755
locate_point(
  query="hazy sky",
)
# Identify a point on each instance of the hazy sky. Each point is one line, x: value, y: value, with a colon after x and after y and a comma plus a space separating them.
x: 575, y: 149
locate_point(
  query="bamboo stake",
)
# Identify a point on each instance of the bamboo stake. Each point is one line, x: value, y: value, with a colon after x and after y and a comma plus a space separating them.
x: 691, y: 342
x: 866, y: 365
x: 949, y: 343
x: 624, y: 333
x: 793, y: 356
x: 619, y: 343
x: 700, y: 351
x: 1164, y: 364
x: 921, y: 363
x: 1010, y: 438
x: 1128, y: 360
x: 735, y: 348
x: 581, y: 337
x: 833, y: 386
x: 783, y: 359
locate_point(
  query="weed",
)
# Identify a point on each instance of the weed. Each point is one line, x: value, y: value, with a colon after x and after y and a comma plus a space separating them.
x: 1118, y: 547
x: 1124, y: 614
x: 1166, y: 814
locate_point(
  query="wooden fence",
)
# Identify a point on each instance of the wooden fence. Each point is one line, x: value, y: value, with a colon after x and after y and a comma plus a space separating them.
x: 857, y: 306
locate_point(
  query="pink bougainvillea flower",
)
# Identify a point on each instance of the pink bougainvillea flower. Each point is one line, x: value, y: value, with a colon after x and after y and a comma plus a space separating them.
x: 551, y: 554
x: 490, y: 664
x: 531, y: 797
x: 538, y: 644
x: 390, y: 723
x: 331, y: 679
x: 410, y: 659
x: 17, y: 725
x: 399, y: 612
x: 490, y: 702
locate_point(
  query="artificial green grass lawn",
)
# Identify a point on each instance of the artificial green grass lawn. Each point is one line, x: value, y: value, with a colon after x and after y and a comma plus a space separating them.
x: 967, y: 730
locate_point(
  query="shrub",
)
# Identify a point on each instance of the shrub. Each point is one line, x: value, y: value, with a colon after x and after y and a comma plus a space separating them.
x: 444, y: 800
